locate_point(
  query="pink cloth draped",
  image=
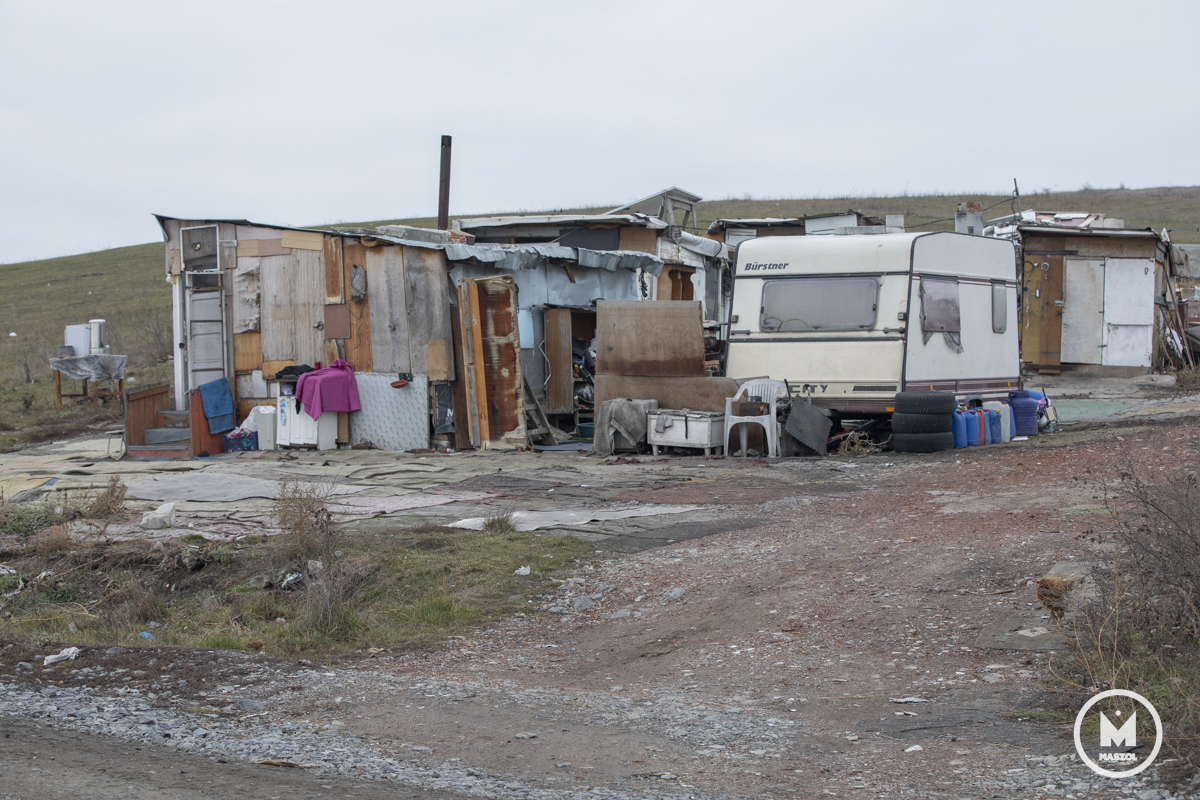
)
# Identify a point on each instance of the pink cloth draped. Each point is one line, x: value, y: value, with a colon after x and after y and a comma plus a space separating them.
x: 328, y: 389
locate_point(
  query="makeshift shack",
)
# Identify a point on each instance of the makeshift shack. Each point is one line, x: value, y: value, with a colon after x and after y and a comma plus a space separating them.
x: 735, y: 231
x: 1096, y: 298
x: 442, y: 333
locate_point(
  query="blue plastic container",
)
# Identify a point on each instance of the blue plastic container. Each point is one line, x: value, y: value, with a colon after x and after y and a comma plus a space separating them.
x: 993, y: 418
x: 1025, y: 413
x: 973, y: 438
x: 987, y: 427
x: 960, y: 429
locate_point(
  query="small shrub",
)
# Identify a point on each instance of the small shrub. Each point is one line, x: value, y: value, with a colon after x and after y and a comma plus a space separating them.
x: 296, y: 513
x: 109, y: 503
x: 1141, y: 628
x: 499, y: 524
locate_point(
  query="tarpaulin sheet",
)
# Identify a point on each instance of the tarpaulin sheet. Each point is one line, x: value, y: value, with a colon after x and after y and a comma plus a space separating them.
x: 532, y: 520
x: 91, y: 368
x: 217, y: 487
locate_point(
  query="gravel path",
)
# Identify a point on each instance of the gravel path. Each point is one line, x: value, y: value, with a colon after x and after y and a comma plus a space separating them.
x: 752, y: 663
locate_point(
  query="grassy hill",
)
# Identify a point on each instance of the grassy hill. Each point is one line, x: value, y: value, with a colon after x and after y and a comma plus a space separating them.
x: 125, y: 285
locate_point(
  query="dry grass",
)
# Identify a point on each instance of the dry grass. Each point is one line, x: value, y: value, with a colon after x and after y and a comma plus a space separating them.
x: 55, y: 539
x: 1188, y: 380
x: 500, y: 524
x: 1141, y: 630
x: 110, y: 502
x: 858, y: 443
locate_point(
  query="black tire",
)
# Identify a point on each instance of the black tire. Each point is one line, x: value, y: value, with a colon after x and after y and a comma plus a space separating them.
x: 922, y: 442
x: 926, y: 403
x: 922, y: 423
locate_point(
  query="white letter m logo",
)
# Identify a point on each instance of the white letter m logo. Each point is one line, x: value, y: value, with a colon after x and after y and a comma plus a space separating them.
x: 1126, y: 734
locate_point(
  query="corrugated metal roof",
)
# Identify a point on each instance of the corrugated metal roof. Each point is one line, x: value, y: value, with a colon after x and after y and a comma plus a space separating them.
x: 559, y: 219
x: 162, y: 218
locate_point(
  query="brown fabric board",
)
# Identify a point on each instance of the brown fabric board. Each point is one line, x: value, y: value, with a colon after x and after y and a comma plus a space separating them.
x: 337, y: 321
x: 661, y: 338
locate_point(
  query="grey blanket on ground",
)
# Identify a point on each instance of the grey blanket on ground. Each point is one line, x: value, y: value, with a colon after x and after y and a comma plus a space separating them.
x: 91, y: 368
x: 624, y: 416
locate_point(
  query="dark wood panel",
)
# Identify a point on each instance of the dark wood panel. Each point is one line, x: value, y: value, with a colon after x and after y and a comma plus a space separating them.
x: 560, y: 378
x: 358, y: 343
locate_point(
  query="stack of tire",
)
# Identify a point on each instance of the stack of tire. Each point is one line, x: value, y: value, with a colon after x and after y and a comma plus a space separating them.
x: 923, y: 422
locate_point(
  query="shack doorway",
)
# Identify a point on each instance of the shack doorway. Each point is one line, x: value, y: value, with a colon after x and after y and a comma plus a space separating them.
x: 206, y: 340
x: 491, y: 358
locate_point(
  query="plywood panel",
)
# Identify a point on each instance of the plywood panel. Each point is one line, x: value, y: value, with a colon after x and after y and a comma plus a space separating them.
x: 247, y: 351
x: 389, y: 318
x: 277, y: 304
x: 358, y: 344
x: 644, y: 240
x: 141, y: 411
x: 427, y: 298
x: 334, y: 279
x: 303, y: 240
x: 331, y: 352
x: 269, y: 368
x: 663, y: 339
x: 560, y: 380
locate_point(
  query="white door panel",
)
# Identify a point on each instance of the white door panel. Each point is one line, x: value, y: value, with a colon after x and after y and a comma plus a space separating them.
x: 1128, y: 312
x: 1083, y: 311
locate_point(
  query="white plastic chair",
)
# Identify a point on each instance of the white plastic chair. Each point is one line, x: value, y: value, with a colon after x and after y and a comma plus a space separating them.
x: 768, y: 390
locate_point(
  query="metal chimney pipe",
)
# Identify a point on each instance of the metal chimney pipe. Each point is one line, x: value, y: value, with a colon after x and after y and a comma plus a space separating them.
x: 444, y: 187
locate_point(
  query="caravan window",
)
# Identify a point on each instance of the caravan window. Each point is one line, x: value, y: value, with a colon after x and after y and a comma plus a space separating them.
x: 999, y: 307
x: 819, y: 304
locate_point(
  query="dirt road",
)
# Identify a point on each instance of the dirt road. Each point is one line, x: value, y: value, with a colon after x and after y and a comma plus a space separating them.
x: 765, y: 658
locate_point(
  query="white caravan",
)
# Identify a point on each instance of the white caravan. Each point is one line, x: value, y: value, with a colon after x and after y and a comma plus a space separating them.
x: 852, y: 320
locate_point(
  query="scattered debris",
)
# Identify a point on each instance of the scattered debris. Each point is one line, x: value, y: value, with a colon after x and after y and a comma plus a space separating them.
x: 67, y: 654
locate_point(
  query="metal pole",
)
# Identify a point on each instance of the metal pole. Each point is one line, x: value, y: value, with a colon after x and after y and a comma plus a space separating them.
x: 444, y: 187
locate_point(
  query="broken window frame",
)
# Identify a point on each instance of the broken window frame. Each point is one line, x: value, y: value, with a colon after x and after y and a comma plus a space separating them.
x: 780, y: 289
x: 939, y: 319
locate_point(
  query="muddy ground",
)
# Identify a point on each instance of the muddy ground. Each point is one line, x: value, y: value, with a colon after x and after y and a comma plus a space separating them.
x: 754, y: 648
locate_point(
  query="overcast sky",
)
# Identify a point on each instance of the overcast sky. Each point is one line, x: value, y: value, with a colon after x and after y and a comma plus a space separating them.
x: 307, y: 113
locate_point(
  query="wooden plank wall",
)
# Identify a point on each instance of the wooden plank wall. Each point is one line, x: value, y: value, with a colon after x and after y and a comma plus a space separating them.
x: 141, y: 411
x: 427, y: 294
x: 389, y: 317
x: 357, y: 348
